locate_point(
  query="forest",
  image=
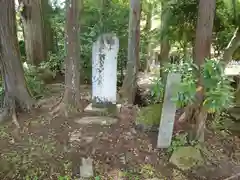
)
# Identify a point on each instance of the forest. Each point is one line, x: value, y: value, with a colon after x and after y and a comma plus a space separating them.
x: 120, y: 89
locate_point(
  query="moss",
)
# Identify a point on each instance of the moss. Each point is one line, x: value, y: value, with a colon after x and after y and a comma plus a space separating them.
x: 149, y: 115
x: 186, y: 158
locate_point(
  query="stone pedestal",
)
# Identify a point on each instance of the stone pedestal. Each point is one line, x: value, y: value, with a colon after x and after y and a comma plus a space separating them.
x: 101, y: 109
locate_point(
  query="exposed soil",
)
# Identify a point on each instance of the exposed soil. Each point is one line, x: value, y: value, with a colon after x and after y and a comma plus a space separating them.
x: 44, y: 148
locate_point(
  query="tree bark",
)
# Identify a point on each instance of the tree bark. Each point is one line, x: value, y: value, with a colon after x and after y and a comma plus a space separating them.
x: 149, y: 44
x: 105, y: 5
x: 16, y: 92
x: 232, y: 46
x: 130, y: 81
x: 165, y: 44
x: 72, y: 74
x: 36, y: 30
x: 47, y: 11
x: 202, y: 51
x: 164, y: 54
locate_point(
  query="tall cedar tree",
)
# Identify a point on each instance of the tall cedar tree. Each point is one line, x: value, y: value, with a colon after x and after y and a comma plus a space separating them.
x: 37, y: 29
x: 197, y: 114
x: 71, y: 97
x: 16, y: 94
x: 130, y: 82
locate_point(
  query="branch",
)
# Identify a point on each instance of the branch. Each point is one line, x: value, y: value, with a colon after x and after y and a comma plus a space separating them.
x: 232, y: 46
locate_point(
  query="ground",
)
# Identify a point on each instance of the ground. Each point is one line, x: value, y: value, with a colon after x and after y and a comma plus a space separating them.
x: 49, y: 148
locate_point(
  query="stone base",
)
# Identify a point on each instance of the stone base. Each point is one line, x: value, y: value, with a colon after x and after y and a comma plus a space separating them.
x: 111, y: 109
x: 90, y: 108
x: 100, y: 120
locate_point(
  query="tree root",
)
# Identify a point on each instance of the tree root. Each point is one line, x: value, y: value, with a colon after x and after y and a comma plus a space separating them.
x: 182, y: 118
x: 14, y: 119
x: 232, y: 177
x: 59, y: 110
x: 6, y: 115
x: 62, y: 108
x: 57, y: 104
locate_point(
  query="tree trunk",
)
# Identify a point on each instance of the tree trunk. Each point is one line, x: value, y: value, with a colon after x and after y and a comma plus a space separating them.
x: 35, y: 34
x: 202, y: 51
x: 232, y: 46
x: 47, y: 11
x: 105, y: 5
x: 130, y: 81
x: 72, y: 63
x: 149, y: 44
x: 16, y: 92
x: 165, y: 44
x: 164, y: 54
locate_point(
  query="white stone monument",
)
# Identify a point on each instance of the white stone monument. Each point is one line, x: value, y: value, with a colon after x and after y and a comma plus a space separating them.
x: 104, y: 70
x: 168, y: 111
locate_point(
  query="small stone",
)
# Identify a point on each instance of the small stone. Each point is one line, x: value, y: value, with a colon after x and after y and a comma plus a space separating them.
x: 122, y: 158
x: 128, y: 136
x: 133, y: 131
x: 12, y: 141
x: 104, y: 122
x: 100, y: 134
x: 75, y: 136
x: 88, y: 139
x: 147, y: 159
x: 86, y: 169
x: 186, y: 158
x: 128, y: 156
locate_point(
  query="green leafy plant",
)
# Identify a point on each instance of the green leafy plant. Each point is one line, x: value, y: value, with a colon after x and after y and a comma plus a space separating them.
x: 54, y: 63
x: 3, y: 133
x: 34, y: 83
x: 130, y: 174
x: 217, y: 90
x: 97, y: 178
x: 157, y: 89
x: 28, y: 177
x: 185, y: 92
x: 147, y: 170
x: 177, y: 142
x: 64, y: 178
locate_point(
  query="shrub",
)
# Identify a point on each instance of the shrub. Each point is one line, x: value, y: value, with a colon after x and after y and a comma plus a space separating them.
x: 34, y: 82
x: 217, y: 89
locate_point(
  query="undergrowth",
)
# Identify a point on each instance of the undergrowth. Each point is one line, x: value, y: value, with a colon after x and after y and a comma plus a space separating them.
x: 34, y: 82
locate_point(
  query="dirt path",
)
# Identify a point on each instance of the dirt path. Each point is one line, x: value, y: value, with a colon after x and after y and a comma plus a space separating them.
x: 48, y: 148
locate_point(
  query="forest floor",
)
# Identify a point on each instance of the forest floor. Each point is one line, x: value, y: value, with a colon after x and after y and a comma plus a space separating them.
x: 48, y: 148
